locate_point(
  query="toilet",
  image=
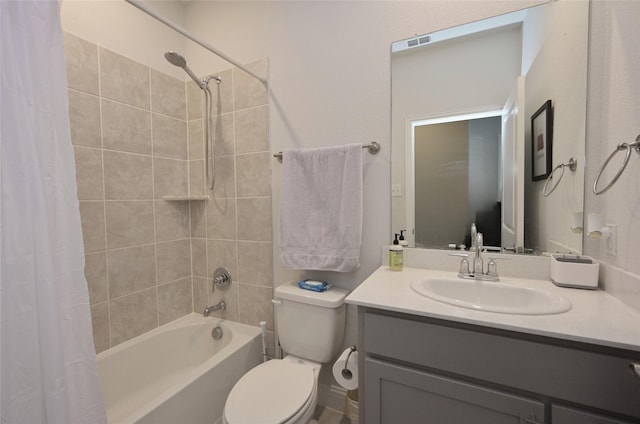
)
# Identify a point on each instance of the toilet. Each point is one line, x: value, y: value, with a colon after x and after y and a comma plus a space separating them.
x: 285, y: 391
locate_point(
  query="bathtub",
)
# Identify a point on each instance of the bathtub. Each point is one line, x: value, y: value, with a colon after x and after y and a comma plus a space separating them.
x: 177, y: 373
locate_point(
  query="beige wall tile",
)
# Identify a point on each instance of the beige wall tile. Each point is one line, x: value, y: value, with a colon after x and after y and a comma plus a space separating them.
x: 155, y: 242
x: 201, y: 289
x: 126, y: 128
x: 95, y: 271
x: 172, y: 220
x: 171, y: 177
x: 194, y: 101
x: 174, y: 260
x: 252, y: 130
x: 93, y: 225
x: 253, y: 174
x: 199, y: 219
x: 124, y: 80
x: 174, y: 300
x: 100, y: 324
x: 223, y: 93
x: 197, y: 178
x: 255, y: 263
x: 230, y: 297
x: 254, y: 219
x: 199, y: 257
x: 221, y: 218
x: 169, y: 137
x: 133, y: 315
x: 222, y: 253
x: 196, y: 139
x: 131, y: 269
x: 127, y: 176
x: 248, y: 91
x: 129, y: 223
x: 255, y: 305
x: 223, y: 133
x: 225, y: 173
x: 82, y: 64
x: 168, y: 95
x: 84, y: 118
x: 89, y: 173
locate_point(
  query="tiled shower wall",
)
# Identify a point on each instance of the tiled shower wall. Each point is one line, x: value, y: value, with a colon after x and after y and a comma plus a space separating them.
x: 136, y: 140
x: 233, y: 229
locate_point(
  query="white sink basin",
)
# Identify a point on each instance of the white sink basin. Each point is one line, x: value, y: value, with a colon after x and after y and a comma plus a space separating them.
x: 502, y: 297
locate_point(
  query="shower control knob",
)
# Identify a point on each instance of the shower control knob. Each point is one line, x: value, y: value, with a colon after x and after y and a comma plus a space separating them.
x: 221, y: 278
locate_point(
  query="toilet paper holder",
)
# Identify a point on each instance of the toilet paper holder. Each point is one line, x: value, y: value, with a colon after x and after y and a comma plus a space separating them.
x: 346, y: 373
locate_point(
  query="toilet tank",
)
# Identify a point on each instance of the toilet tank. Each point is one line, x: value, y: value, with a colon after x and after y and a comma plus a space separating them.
x: 310, y: 324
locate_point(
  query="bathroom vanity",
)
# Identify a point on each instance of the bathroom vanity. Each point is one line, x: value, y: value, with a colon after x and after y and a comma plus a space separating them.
x: 426, y: 361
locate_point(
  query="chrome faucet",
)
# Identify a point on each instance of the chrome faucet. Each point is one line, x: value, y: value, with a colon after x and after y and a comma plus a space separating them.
x: 477, y: 270
x: 220, y: 306
x: 478, y: 266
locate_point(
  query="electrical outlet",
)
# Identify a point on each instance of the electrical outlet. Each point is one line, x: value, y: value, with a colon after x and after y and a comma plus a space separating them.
x: 396, y: 190
x: 612, y: 240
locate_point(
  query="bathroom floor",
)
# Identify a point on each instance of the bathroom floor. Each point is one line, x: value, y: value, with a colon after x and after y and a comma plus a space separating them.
x: 325, y: 415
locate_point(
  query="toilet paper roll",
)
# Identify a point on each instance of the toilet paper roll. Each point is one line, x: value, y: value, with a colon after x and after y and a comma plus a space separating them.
x: 347, y: 378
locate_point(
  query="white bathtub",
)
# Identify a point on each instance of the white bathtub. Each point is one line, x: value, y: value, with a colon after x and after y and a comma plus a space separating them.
x: 177, y: 373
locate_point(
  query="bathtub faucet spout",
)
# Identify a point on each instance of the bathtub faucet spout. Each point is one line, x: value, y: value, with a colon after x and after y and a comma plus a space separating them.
x: 220, y: 306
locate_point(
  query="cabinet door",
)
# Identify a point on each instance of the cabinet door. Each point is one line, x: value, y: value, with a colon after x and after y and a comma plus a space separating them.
x: 564, y: 415
x: 399, y: 395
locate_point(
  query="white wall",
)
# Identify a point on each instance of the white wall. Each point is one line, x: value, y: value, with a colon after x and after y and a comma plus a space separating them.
x: 561, y: 49
x: 124, y: 29
x: 613, y: 117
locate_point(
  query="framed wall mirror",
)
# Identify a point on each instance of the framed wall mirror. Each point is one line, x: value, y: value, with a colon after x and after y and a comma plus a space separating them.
x: 462, y: 103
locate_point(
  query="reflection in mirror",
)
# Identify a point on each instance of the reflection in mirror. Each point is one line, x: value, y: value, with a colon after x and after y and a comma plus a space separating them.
x: 456, y: 163
x: 453, y: 80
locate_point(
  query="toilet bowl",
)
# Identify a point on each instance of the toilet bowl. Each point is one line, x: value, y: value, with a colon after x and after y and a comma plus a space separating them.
x: 280, y: 391
x: 285, y: 391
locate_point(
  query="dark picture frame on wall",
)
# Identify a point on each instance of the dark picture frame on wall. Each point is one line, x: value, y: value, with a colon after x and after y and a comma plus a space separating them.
x: 541, y: 142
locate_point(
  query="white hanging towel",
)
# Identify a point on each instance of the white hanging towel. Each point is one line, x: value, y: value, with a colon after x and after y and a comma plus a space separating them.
x: 321, y: 211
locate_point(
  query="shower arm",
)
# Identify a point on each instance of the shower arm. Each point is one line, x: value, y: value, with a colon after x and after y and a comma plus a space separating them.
x: 139, y: 5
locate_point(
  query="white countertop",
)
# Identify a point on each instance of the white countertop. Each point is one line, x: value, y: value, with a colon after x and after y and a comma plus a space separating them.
x: 595, y: 316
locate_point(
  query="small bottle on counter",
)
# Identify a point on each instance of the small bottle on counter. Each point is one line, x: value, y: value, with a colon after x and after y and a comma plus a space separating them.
x: 402, y: 241
x: 396, y: 255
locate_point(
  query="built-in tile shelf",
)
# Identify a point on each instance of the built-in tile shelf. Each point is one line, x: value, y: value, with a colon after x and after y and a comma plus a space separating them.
x: 184, y: 198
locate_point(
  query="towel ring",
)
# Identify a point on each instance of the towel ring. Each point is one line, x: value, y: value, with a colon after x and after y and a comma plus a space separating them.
x: 622, y: 146
x: 572, y: 164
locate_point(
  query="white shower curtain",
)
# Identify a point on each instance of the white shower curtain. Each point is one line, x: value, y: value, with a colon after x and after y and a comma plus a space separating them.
x: 48, y: 371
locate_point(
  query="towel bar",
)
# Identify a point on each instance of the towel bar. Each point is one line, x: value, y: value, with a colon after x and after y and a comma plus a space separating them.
x: 373, y: 147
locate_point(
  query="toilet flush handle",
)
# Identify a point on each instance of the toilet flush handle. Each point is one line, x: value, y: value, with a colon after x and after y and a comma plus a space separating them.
x: 276, y: 301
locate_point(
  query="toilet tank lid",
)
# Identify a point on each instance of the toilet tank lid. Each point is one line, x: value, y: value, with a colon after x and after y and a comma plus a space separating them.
x: 331, y: 298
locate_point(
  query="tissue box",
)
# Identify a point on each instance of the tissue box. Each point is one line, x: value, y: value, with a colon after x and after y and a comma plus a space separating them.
x: 574, y: 271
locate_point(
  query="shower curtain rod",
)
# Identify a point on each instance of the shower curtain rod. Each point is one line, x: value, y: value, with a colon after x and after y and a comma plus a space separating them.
x: 139, y: 5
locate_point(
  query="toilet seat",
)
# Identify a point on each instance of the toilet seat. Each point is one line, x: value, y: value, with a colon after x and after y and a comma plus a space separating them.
x: 274, y: 392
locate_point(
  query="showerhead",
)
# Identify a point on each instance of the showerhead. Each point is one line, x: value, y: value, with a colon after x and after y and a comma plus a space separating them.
x: 178, y: 60
x: 175, y: 59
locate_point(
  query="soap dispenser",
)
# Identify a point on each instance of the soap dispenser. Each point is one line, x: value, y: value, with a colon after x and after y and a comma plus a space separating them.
x: 402, y: 241
x: 396, y: 253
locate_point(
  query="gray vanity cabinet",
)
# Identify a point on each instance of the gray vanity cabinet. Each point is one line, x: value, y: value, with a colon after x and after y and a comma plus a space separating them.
x: 398, y: 394
x: 423, y: 370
